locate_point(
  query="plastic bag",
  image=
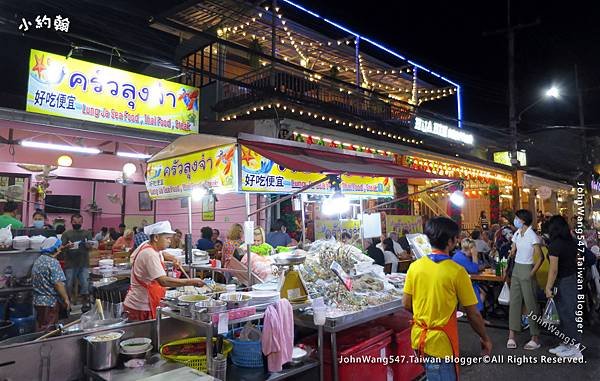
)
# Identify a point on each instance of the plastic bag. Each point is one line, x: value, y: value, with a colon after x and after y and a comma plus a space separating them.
x: 504, y: 297
x: 550, y: 315
x: 89, y: 318
x: 250, y: 333
x: 6, y: 236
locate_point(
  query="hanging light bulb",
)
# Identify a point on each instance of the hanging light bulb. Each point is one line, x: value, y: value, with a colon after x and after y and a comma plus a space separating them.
x: 457, y: 198
x: 65, y: 161
x: 198, y: 193
x: 129, y: 169
x: 335, y: 204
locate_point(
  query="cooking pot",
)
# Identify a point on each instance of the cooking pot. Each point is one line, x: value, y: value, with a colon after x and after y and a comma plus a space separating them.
x: 236, y: 299
x: 186, y: 302
x: 202, y: 310
x: 102, y: 350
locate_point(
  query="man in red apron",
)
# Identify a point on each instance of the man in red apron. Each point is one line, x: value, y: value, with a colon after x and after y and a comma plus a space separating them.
x: 149, y: 279
x: 434, y: 286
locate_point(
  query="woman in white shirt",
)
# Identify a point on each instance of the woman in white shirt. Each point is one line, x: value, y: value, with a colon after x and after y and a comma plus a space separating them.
x: 391, y: 260
x: 526, y: 243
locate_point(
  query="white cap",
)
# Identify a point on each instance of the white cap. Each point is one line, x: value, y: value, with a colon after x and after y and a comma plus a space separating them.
x: 50, y: 245
x: 162, y: 227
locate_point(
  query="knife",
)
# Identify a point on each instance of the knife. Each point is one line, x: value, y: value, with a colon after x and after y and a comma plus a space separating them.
x: 220, y: 344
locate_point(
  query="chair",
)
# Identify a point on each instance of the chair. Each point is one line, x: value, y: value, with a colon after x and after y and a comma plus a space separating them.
x: 403, y: 265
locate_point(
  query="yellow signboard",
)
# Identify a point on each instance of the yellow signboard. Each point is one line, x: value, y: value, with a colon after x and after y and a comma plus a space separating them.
x: 503, y: 157
x: 414, y: 224
x: 324, y: 229
x: 86, y: 91
x: 260, y: 174
x: 176, y: 177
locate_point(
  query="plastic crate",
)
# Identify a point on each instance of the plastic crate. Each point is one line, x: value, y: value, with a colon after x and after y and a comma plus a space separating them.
x: 370, y: 341
x: 245, y: 354
x: 196, y: 362
x: 402, y: 346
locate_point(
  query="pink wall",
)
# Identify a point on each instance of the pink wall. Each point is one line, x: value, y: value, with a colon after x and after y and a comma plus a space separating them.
x: 100, y: 167
x: 111, y: 213
x: 230, y: 209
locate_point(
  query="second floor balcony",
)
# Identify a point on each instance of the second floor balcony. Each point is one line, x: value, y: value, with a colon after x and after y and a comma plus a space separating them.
x: 249, y: 54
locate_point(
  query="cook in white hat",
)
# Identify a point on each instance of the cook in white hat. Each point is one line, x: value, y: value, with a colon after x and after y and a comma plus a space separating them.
x: 149, y: 279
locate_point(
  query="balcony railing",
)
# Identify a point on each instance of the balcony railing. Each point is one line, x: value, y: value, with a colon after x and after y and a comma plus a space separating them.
x: 310, y: 89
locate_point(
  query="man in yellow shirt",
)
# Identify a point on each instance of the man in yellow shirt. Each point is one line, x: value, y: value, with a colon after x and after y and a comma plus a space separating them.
x: 434, y: 287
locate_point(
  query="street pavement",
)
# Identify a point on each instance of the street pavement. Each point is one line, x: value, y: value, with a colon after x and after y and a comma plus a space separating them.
x: 528, y: 370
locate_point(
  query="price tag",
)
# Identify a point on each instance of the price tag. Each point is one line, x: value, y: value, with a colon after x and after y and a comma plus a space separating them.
x: 223, y: 327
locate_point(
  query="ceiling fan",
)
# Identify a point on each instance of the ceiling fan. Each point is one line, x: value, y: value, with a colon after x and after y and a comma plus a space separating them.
x: 124, y: 181
x: 93, y: 208
x: 114, y: 198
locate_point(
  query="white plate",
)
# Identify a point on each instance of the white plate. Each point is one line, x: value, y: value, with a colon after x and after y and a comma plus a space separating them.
x: 459, y: 314
x: 264, y: 295
x: 298, y: 354
x: 265, y: 287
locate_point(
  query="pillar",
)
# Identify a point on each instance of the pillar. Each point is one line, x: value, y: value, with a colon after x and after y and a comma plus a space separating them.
x: 401, y: 207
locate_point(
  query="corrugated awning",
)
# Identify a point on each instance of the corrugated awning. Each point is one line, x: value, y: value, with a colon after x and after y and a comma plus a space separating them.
x: 191, y: 143
x: 305, y: 158
x: 530, y: 181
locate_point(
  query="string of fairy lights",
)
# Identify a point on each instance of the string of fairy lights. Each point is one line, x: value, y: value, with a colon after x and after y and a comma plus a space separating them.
x: 476, y: 181
x: 334, y: 120
x: 252, y: 29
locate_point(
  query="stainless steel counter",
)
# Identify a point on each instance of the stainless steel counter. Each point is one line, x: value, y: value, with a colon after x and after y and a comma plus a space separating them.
x: 350, y: 320
x: 161, y: 371
x: 10, y: 290
x: 21, y: 261
x: 335, y: 325
x: 63, y: 358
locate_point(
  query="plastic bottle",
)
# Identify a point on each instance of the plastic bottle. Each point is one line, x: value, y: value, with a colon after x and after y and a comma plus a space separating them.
x: 504, y: 265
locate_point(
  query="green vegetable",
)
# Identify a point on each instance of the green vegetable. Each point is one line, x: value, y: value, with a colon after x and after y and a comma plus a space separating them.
x: 263, y: 250
x: 283, y: 249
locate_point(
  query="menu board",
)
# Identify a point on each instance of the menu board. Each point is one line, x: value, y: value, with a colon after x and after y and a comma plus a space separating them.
x: 419, y: 243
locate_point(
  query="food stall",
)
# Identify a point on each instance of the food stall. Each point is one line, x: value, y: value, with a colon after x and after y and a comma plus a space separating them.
x: 212, y: 166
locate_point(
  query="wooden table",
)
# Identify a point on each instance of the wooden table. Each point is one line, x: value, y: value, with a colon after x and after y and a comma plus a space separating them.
x: 487, y: 277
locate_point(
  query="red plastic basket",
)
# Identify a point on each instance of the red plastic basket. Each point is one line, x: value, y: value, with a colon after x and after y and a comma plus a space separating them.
x: 368, y: 341
x: 402, y: 346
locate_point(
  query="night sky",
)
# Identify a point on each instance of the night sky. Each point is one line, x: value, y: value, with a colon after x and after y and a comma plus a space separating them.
x: 448, y: 36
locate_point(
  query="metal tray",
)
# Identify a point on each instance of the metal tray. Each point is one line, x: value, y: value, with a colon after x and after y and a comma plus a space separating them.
x: 289, y: 259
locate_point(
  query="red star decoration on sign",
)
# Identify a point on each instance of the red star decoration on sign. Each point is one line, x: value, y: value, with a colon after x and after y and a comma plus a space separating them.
x: 39, y: 65
x: 247, y: 156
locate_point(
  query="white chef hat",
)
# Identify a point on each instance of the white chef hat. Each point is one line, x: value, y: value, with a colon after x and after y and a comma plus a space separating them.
x: 162, y: 227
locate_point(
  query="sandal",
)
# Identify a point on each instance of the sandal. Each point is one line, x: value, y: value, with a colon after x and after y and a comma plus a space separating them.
x: 532, y: 346
x: 511, y: 344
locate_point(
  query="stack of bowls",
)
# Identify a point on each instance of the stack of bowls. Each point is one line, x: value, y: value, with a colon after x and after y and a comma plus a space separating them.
x: 137, y: 347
